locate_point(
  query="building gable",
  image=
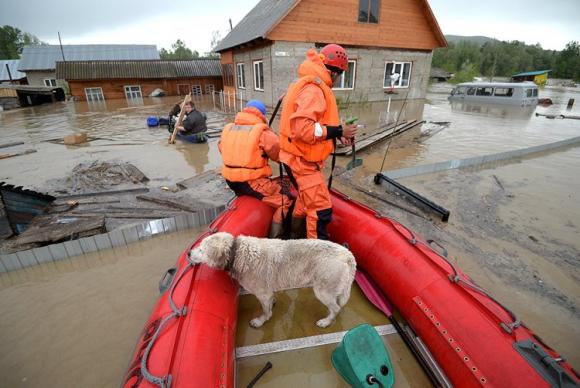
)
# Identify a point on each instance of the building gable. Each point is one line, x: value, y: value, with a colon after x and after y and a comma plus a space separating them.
x: 405, y: 24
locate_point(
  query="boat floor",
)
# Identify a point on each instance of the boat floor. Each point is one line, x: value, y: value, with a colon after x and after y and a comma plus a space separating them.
x: 302, y: 361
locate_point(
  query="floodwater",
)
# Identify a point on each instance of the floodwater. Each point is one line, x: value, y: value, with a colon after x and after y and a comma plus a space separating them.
x: 513, y: 228
x: 75, y: 323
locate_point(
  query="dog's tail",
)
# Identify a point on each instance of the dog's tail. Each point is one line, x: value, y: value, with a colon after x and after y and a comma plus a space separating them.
x: 347, y: 280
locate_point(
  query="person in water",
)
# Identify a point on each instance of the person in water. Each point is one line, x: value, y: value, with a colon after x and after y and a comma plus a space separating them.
x: 193, y: 123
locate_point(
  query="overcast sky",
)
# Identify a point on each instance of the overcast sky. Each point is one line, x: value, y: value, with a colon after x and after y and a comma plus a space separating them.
x: 551, y: 23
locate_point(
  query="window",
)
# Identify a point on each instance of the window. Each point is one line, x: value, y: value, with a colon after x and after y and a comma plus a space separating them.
x: 94, y: 94
x: 49, y: 82
x: 397, y: 74
x: 459, y: 91
x: 346, y: 79
x: 503, y: 92
x: 484, y: 92
x: 196, y: 90
x: 259, y: 75
x: 241, y: 74
x: 133, y: 91
x: 228, y: 74
x: 368, y: 11
x: 470, y: 91
x: 209, y: 89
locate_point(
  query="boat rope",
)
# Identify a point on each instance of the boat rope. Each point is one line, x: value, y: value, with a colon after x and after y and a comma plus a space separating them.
x: 165, y: 381
x: 371, y: 380
x: 455, y: 277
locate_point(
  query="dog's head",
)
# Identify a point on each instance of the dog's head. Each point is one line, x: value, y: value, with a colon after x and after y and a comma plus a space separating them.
x: 214, y: 250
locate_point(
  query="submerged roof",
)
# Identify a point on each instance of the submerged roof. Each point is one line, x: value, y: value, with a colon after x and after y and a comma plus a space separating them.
x: 45, y: 57
x: 84, y: 70
x: 537, y: 72
x: 527, y: 84
x: 13, y: 66
x: 257, y: 23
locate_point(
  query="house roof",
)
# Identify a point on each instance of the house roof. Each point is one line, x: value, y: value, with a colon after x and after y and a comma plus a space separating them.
x: 267, y: 14
x: 257, y: 23
x: 537, y: 72
x: 85, y: 70
x: 13, y: 66
x: 44, y: 57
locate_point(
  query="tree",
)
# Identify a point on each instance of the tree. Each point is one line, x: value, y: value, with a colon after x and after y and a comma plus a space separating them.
x: 12, y: 41
x: 179, y: 51
x: 215, y: 39
x: 567, y: 64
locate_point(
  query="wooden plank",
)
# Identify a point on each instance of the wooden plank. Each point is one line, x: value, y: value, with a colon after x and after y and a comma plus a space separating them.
x: 6, y: 156
x: 373, y: 140
x: 179, y: 119
x: 11, y: 144
x: 167, y: 202
x: 100, y: 193
x: 385, y: 131
x: 47, y: 229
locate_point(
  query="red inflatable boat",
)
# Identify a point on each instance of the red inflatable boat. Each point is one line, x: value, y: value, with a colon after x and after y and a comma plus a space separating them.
x: 189, y: 341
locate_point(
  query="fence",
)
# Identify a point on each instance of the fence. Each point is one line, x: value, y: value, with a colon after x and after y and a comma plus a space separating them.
x: 227, y: 102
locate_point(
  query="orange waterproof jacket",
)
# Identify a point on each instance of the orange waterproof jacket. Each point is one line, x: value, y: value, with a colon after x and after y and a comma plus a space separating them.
x: 246, y: 146
x: 305, y: 142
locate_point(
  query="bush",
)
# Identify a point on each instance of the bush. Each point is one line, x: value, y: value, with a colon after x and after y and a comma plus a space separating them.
x: 467, y: 73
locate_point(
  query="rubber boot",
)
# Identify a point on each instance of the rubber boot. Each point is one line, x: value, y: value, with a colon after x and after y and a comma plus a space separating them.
x: 298, y: 229
x: 276, y: 230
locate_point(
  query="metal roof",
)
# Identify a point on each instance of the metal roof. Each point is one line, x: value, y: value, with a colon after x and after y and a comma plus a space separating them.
x: 13, y: 66
x: 45, y: 57
x: 85, y: 70
x: 537, y: 72
x: 257, y: 23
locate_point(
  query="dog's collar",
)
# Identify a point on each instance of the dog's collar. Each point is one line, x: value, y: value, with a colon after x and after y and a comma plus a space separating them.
x: 232, y: 256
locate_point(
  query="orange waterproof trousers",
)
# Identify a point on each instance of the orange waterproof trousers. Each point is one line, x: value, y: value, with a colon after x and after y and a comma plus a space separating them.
x: 314, y: 202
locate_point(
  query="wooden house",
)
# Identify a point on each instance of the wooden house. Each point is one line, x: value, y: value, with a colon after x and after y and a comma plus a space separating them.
x: 101, y: 80
x: 383, y: 39
x: 39, y: 62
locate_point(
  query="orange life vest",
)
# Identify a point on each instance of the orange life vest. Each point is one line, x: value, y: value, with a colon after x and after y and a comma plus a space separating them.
x: 243, y: 159
x: 311, y: 71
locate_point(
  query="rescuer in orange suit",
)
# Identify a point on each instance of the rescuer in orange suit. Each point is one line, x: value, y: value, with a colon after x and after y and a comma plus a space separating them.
x: 308, y: 128
x: 246, y: 146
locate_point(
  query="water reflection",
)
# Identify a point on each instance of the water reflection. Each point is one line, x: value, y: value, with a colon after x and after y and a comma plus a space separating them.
x: 496, y: 110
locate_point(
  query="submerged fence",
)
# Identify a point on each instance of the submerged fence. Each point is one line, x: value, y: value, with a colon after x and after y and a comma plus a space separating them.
x: 227, y: 102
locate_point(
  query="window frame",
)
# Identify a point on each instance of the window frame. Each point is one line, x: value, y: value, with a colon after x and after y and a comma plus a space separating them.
x: 129, y: 92
x: 195, y: 88
x: 399, y: 81
x: 241, y: 75
x: 368, y: 8
x: 209, y: 88
x: 342, y: 77
x: 51, y: 82
x: 92, y: 94
x: 254, y: 63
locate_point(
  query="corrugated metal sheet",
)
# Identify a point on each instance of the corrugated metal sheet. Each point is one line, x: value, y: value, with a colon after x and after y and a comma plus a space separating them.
x: 13, y: 66
x: 85, y: 70
x: 45, y: 57
x: 265, y: 15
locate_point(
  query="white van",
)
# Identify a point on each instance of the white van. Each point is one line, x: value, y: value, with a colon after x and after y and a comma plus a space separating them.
x: 522, y: 93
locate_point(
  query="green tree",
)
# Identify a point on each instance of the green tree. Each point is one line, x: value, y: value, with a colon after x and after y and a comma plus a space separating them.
x: 215, y: 39
x: 12, y: 41
x: 179, y: 51
x: 567, y: 63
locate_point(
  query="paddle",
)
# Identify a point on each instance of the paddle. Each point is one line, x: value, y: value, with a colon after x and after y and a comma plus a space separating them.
x: 354, y: 163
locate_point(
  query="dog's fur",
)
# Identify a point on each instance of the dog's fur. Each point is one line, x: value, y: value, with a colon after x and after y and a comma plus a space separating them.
x: 264, y: 266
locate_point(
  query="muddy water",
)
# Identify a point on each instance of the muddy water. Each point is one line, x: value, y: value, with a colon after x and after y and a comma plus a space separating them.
x: 123, y: 135
x: 74, y: 323
x: 520, y: 240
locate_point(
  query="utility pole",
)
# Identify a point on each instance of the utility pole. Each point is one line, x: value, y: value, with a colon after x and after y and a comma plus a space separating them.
x: 61, y: 50
x: 231, y: 28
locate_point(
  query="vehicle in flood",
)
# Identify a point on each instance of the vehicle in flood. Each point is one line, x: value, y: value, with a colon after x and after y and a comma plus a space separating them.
x: 521, y: 94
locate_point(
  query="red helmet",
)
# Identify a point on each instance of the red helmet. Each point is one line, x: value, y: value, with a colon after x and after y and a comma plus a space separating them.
x: 335, y: 55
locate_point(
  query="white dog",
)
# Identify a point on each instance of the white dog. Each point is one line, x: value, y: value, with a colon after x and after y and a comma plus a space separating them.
x: 264, y: 266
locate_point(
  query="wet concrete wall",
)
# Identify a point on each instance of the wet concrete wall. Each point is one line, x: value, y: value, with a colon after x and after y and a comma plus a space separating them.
x: 36, y: 78
x: 281, y: 60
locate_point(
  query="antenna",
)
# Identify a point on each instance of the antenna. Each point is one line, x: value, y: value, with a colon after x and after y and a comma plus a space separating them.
x: 231, y: 28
